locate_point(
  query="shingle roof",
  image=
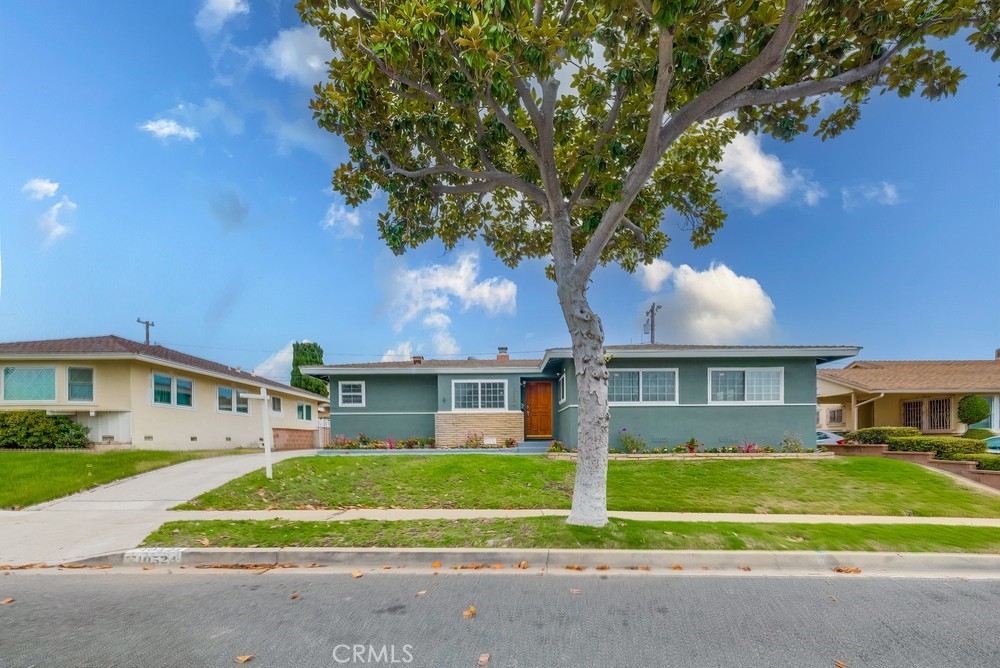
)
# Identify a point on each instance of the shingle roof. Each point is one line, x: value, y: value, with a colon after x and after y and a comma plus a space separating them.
x: 447, y: 364
x: 905, y: 376
x: 115, y: 345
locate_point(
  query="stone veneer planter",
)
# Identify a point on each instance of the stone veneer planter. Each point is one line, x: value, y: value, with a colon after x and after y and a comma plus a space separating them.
x: 571, y: 456
x: 915, y: 457
x: 988, y: 478
x: 961, y: 467
x: 857, y: 449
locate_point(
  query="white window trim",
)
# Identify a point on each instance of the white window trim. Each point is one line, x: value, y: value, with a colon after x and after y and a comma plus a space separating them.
x: 236, y: 396
x: 311, y: 411
x: 173, y: 391
x: 506, y: 396
x: 93, y: 386
x: 562, y: 389
x: 781, y: 386
x: 340, y: 394
x: 648, y: 403
x: 38, y: 402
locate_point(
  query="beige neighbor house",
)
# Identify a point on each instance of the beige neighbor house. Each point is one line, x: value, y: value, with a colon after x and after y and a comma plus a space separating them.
x: 921, y: 394
x: 147, y: 396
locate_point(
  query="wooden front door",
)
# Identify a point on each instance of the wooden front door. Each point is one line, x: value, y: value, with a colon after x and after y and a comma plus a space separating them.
x: 538, y: 409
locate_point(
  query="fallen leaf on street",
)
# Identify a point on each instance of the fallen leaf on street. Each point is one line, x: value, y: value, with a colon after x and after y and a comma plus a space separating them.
x: 745, y: 569
x: 386, y: 567
x: 147, y: 568
x: 574, y: 567
x: 6, y: 601
x: 421, y: 592
x: 498, y: 567
x: 295, y: 597
x: 71, y: 566
x: 483, y: 659
x: 643, y: 568
x: 523, y: 565
x: 603, y: 567
x: 677, y: 567
x: 576, y: 591
x: 204, y: 541
x: 839, y: 664
x: 356, y: 573
x: 436, y: 564
x: 846, y: 569
x: 246, y: 658
x: 102, y: 567
x: 470, y: 613
x: 833, y: 598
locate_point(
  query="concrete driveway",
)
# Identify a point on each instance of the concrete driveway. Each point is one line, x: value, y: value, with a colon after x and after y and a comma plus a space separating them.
x: 118, y: 515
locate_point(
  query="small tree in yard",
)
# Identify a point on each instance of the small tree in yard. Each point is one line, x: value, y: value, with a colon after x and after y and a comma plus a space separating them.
x: 304, y: 354
x: 570, y: 128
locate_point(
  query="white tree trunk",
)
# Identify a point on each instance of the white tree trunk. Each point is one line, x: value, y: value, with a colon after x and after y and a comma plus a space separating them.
x: 590, y: 493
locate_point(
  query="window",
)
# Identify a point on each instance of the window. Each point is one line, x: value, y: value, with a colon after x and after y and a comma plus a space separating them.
x: 479, y: 395
x: 657, y: 386
x: 352, y: 393
x: 172, y: 391
x: 81, y: 384
x: 29, y: 383
x: 913, y: 414
x: 232, y: 399
x: 748, y: 386
x: 939, y: 414
x: 835, y: 416
x: 304, y: 411
x: 275, y: 404
x: 562, y: 389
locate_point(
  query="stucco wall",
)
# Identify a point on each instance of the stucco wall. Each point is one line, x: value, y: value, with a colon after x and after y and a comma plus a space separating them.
x: 398, y: 407
x: 111, y: 386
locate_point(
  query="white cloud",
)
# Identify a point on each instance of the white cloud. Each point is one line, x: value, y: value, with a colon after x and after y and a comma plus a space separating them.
x: 51, y: 222
x: 714, y: 306
x: 207, y: 113
x: 40, y: 188
x: 445, y: 343
x: 277, y: 367
x: 298, y: 54
x: 401, y: 353
x: 215, y: 13
x: 343, y: 222
x: 654, y: 275
x: 884, y: 193
x: 434, y: 289
x: 760, y: 178
x: 438, y: 320
x: 165, y: 128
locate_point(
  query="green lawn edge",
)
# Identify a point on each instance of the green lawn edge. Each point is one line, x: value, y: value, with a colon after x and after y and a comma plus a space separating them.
x: 29, y: 477
x: 839, y: 486
x: 554, y: 533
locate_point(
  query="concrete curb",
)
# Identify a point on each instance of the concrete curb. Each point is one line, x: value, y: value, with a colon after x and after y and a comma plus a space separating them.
x: 692, y: 562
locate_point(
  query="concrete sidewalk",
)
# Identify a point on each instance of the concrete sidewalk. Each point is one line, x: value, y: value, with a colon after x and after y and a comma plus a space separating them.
x: 118, y: 515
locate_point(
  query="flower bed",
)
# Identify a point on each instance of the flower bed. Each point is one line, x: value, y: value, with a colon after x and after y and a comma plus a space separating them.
x: 570, y: 455
x: 362, y: 442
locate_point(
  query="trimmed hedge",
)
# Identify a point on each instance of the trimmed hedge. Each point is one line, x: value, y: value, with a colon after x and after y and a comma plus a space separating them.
x: 944, y: 447
x: 34, y: 430
x: 870, y: 435
x: 978, y: 434
x: 973, y: 409
x: 987, y: 462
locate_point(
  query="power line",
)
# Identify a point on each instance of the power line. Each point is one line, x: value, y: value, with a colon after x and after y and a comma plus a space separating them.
x: 339, y: 354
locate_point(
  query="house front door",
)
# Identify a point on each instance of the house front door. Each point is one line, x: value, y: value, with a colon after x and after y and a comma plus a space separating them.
x: 538, y: 409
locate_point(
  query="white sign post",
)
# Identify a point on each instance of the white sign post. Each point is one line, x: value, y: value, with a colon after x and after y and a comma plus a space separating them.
x: 268, y: 436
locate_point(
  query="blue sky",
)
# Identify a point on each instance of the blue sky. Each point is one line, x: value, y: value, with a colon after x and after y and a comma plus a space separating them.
x: 160, y: 161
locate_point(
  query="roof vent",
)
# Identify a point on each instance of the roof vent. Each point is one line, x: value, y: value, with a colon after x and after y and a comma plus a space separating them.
x: 502, y: 355
x: 418, y: 359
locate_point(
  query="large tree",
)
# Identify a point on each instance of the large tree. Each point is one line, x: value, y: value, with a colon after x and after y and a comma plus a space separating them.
x: 571, y: 128
x: 303, y: 354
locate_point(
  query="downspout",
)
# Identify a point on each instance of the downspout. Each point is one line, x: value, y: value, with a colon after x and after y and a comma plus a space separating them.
x: 859, y: 405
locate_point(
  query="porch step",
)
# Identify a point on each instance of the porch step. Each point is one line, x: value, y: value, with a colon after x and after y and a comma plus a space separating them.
x: 533, y: 447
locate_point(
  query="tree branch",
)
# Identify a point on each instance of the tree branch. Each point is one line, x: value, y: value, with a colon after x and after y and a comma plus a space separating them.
x: 646, y: 6
x: 567, y: 10
x: 361, y: 11
x: 640, y: 236
x: 602, y: 140
x: 661, y: 89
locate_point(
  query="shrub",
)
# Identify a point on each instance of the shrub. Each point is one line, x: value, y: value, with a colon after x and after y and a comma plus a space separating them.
x: 880, y: 434
x: 792, y: 443
x: 945, y: 447
x: 973, y: 409
x: 473, y: 440
x: 558, y: 446
x: 510, y: 442
x: 978, y: 434
x: 632, y: 443
x: 987, y: 462
x: 35, y: 429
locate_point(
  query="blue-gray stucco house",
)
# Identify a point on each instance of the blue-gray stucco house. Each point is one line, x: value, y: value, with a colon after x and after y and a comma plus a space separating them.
x: 719, y: 395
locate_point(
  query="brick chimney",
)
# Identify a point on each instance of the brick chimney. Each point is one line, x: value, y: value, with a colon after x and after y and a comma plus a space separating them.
x: 502, y: 355
x: 418, y: 359
x: 998, y: 353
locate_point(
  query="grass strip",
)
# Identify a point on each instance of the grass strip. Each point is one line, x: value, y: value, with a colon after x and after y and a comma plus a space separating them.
x: 553, y: 532
x: 27, y: 478
x: 845, y: 486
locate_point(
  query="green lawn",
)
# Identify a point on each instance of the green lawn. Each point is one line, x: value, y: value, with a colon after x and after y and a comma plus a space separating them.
x: 844, y: 485
x: 553, y: 532
x: 27, y: 478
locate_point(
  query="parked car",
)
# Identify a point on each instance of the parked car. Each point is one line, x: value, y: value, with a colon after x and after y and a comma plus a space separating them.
x: 828, y: 438
x: 993, y: 444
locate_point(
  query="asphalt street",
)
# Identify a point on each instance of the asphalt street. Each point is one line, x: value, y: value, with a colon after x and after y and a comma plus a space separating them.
x: 313, y: 618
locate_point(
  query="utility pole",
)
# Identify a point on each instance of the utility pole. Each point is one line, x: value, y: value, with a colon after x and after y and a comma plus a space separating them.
x: 148, y: 324
x: 650, y: 326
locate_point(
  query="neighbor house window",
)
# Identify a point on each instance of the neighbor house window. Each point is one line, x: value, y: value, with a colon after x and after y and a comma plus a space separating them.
x: 836, y: 416
x: 479, y: 395
x: 749, y: 386
x: 304, y: 411
x: 81, y: 384
x: 232, y: 399
x: 655, y: 386
x: 562, y: 389
x: 172, y: 391
x: 29, y: 383
x: 352, y: 393
x: 275, y: 404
